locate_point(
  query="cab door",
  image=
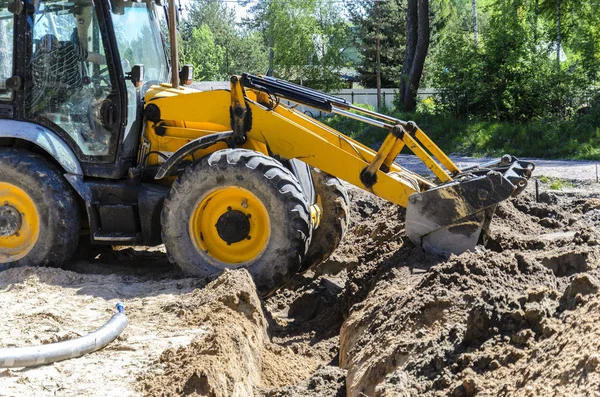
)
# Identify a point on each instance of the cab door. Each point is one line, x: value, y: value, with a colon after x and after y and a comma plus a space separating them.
x: 71, y: 85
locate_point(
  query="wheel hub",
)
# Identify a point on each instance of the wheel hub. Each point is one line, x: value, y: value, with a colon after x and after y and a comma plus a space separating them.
x: 10, y: 221
x: 233, y: 226
x: 230, y: 225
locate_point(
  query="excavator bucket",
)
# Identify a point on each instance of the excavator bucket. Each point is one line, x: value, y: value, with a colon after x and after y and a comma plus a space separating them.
x: 449, y: 218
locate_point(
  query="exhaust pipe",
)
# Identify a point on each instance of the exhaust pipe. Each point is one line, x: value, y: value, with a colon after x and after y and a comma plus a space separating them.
x: 19, y: 357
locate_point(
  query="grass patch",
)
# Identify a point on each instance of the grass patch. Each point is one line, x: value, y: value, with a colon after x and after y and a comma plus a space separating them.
x: 555, y: 183
x: 577, y: 139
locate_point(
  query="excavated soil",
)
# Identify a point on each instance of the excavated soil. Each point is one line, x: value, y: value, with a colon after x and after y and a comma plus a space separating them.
x: 514, y: 318
x: 380, y: 318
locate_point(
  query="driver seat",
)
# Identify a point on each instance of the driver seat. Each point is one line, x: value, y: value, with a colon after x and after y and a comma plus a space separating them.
x: 57, y: 70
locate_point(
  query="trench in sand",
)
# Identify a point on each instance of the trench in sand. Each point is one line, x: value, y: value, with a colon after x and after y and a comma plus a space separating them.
x: 513, y: 317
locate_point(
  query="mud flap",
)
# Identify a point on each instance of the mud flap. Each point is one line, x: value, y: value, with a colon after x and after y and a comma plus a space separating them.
x: 449, y: 219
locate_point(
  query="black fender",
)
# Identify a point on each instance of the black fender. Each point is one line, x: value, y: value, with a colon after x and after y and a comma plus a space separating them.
x: 189, y: 148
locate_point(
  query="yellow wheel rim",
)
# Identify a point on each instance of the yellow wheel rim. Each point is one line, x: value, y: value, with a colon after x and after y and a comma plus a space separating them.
x: 231, y: 225
x: 18, y: 238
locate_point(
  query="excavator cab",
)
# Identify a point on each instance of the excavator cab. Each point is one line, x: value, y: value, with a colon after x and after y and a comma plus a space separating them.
x: 74, y: 79
x: 100, y: 144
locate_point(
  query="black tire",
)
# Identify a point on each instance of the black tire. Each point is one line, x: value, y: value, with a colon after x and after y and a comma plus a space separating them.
x: 271, y: 183
x: 335, y: 217
x: 54, y: 199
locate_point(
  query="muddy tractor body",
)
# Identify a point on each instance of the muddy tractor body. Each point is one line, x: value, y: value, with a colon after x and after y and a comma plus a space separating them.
x: 100, y: 143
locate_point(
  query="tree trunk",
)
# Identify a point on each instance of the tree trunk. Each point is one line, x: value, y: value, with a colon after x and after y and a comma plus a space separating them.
x: 475, y: 23
x: 270, y: 72
x: 378, y: 56
x: 558, y: 35
x: 418, y: 60
x: 411, y: 46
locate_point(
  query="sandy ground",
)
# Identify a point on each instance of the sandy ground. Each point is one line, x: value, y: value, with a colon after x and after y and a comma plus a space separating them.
x: 380, y: 318
x: 44, y: 305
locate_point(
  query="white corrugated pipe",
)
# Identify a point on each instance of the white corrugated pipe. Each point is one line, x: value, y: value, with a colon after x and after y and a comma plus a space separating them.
x: 17, y: 357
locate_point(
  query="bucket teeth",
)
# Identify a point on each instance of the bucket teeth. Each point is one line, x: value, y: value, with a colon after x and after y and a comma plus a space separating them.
x: 449, y: 219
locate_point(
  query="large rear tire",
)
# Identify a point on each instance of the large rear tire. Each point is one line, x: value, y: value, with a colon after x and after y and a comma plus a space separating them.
x: 237, y: 208
x: 332, y: 198
x: 39, y: 217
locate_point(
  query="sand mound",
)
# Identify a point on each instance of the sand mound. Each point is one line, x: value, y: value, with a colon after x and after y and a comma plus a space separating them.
x: 235, y: 355
x: 513, y: 319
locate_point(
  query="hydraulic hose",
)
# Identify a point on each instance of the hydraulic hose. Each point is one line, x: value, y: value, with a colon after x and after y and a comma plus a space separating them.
x: 18, y: 357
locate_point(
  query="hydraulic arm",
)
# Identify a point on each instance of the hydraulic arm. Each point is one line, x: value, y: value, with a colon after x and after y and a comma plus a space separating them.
x: 443, y: 217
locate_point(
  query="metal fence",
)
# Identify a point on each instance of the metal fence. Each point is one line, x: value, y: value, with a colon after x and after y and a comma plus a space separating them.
x: 367, y: 96
x: 362, y: 96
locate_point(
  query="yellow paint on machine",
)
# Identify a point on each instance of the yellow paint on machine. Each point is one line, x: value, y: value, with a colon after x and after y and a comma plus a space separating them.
x: 17, y: 246
x: 215, y: 204
x: 280, y: 131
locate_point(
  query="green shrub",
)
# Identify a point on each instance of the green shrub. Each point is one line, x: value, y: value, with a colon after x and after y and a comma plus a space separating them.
x: 510, y: 76
x: 577, y: 139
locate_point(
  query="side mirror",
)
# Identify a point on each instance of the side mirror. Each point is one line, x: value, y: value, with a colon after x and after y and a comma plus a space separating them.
x: 186, y: 75
x: 136, y: 75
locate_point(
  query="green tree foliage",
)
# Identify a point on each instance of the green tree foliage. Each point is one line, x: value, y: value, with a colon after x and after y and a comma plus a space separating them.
x: 390, y: 16
x: 560, y: 18
x: 511, y: 74
x: 307, y: 38
x: 232, y: 48
x: 201, y: 51
x: 581, y: 35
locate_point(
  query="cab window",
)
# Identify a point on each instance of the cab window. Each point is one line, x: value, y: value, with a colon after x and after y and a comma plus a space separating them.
x: 6, y: 50
x: 69, y: 84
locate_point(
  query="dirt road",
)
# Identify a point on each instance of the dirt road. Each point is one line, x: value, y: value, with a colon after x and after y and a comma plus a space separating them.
x: 380, y: 318
x: 565, y: 169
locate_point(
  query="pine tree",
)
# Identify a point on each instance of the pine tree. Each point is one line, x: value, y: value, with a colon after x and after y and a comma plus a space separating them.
x: 392, y: 26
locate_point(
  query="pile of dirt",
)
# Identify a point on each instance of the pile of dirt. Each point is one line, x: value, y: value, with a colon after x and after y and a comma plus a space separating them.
x: 234, y: 356
x: 515, y: 317
x: 225, y: 361
x: 379, y: 318
x: 306, y: 315
x: 412, y: 323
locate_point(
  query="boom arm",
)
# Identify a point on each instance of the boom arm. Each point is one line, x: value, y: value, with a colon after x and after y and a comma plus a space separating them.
x: 401, y: 132
x: 443, y: 218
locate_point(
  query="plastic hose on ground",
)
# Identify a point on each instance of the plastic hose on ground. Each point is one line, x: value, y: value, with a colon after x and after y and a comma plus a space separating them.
x: 45, y: 354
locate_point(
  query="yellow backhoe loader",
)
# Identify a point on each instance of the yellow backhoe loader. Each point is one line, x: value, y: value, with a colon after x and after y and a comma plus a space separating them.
x: 99, y: 139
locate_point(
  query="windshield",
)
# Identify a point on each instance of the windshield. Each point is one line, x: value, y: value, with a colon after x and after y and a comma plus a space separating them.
x: 138, y: 29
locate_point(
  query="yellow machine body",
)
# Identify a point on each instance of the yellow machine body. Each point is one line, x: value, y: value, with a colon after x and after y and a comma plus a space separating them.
x: 250, y: 177
x: 444, y: 218
x: 187, y: 115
